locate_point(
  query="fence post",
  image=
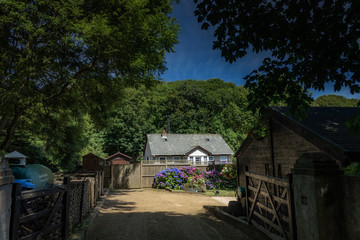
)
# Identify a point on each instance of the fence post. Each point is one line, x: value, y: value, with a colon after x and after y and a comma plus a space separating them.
x: 111, y: 176
x: 102, y: 182
x: 141, y: 177
x: 246, y: 192
x: 15, y: 211
x: 66, y: 204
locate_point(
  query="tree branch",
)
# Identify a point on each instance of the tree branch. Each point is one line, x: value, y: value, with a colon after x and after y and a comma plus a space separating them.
x: 11, y: 128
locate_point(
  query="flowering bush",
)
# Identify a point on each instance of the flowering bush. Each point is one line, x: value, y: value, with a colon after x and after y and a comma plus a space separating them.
x: 192, y: 177
x: 216, y: 180
x: 228, y: 171
x: 172, y: 178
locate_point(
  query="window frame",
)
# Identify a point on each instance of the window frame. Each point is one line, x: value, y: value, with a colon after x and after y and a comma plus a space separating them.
x: 221, y: 158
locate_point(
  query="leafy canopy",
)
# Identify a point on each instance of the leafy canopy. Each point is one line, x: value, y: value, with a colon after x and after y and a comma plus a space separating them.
x: 189, y: 106
x: 311, y: 44
x: 54, y: 54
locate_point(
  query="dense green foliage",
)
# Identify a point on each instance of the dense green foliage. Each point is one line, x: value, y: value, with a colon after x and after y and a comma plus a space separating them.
x: 335, y: 101
x: 211, y: 106
x: 353, y: 169
x: 59, y: 139
x: 60, y: 58
x: 311, y: 43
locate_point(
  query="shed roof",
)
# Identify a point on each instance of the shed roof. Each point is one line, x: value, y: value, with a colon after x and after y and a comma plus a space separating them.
x: 91, y: 155
x: 180, y: 144
x: 15, y: 154
x: 328, y: 123
x: 118, y: 155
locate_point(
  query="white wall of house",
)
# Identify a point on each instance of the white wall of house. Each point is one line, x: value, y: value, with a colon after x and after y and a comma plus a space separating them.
x: 198, y: 155
x: 147, y: 153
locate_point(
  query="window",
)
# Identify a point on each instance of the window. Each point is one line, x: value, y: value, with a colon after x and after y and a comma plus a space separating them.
x: 176, y: 158
x: 191, y: 158
x: 223, y: 158
x: 198, y: 159
x: 205, y: 158
x: 211, y: 158
x: 162, y: 158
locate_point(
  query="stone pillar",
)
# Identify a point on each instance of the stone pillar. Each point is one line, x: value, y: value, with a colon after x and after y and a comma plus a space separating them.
x: 6, y: 179
x: 317, y: 197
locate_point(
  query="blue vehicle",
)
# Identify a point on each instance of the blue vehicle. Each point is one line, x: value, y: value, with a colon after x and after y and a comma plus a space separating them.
x: 26, y: 184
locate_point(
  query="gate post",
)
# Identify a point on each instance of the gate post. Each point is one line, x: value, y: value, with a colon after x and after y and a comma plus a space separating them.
x: 66, y: 208
x: 317, y: 197
x: 6, y: 179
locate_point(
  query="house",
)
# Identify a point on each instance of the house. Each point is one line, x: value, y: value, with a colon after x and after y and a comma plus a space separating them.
x: 92, y: 162
x: 323, y: 130
x: 118, y: 159
x: 197, y: 149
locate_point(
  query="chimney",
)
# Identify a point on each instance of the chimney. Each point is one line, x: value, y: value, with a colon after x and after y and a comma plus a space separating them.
x: 163, y: 134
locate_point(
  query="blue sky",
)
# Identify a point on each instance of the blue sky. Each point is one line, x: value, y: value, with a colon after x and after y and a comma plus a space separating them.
x: 195, y: 59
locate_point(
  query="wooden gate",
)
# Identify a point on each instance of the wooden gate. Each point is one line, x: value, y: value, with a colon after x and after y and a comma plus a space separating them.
x: 40, y: 214
x: 269, y: 205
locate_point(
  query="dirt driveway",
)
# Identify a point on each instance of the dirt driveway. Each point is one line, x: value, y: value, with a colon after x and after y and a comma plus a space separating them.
x: 149, y: 214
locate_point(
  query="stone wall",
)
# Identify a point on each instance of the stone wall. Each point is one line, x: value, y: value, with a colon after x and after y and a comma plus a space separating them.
x: 287, y: 148
x: 6, y: 179
x: 351, y: 204
x: 326, y: 201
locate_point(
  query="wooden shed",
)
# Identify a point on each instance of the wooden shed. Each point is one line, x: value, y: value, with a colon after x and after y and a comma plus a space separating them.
x: 118, y: 159
x: 92, y: 162
x: 323, y: 130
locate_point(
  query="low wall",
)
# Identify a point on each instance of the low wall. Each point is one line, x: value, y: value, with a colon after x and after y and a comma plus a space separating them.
x: 326, y: 201
x: 6, y: 180
x: 351, y: 205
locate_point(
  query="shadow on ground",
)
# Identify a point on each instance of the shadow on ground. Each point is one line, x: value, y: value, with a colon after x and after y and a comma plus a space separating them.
x: 132, y: 214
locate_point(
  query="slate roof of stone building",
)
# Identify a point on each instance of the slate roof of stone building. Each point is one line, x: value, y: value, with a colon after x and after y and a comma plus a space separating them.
x: 180, y: 144
x: 329, y: 123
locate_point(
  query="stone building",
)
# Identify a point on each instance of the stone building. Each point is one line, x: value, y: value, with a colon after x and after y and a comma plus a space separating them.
x: 323, y: 130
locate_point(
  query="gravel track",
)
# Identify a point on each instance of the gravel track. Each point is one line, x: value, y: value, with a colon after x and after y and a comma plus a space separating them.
x: 151, y: 214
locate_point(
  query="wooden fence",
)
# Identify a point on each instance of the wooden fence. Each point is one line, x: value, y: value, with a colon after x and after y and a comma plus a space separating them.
x: 40, y: 214
x: 54, y: 212
x: 141, y: 175
x: 269, y: 205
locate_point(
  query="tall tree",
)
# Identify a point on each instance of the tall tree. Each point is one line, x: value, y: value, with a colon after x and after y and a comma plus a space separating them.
x: 311, y: 44
x: 189, y: 106
x: 56, y: 53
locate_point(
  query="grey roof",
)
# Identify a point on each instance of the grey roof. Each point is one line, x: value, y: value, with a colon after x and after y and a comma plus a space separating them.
x: 15, y: 154
x: 330, y: 124
x: 180, y: 144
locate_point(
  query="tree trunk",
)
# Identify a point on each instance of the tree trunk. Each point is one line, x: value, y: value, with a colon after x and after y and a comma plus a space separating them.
x: 11, y: 128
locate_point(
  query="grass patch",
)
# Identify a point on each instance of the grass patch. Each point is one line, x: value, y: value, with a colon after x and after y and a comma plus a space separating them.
x: 222, y: 193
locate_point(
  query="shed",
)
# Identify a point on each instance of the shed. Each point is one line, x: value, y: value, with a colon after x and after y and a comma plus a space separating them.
x: 323, y: 130
x: 92, y: 162
x: 118, y: 159
x: 16, y: 159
